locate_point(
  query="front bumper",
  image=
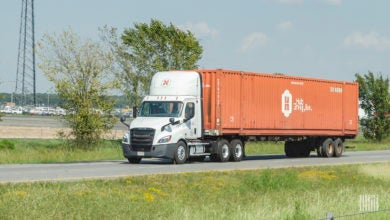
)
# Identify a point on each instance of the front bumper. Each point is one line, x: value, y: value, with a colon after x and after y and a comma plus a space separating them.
x: 159, y: 151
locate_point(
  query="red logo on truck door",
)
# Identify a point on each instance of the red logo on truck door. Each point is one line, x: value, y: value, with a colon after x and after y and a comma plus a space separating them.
x: 165, y: 82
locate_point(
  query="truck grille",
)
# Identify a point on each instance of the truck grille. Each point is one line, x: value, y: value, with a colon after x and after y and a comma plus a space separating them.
x: 141, y: 139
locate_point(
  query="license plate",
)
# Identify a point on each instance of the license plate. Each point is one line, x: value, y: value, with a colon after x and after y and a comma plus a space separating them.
x: 140, y: 153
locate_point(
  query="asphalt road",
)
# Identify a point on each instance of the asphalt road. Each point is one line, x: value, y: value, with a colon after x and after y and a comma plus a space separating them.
x: 121, y: 168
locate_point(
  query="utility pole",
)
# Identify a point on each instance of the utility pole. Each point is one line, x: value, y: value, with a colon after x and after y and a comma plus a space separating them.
x: 25, y: 87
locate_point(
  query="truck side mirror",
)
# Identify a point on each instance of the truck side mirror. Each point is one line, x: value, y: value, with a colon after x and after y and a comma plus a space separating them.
x: 123, y: 121
x: 135, y: 111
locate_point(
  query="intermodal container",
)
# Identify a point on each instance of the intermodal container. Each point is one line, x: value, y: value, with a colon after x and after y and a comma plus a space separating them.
x: 248, y: 103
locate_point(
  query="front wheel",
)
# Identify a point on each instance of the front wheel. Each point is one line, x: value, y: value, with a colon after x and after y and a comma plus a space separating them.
x: 181, y: 153
x: 134, y: 160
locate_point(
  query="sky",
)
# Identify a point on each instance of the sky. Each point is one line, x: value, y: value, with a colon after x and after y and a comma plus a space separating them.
x: 330, y: 39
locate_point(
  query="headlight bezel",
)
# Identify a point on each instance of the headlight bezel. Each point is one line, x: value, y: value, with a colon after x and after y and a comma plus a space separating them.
x: 165, y: 139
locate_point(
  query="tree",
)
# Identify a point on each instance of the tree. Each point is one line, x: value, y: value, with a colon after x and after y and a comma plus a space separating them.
x: 81, y: 73
x: 154, y: 47
x: 375, y: 101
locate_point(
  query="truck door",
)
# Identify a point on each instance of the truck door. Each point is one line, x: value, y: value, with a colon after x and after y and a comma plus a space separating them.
x: 191, y: 118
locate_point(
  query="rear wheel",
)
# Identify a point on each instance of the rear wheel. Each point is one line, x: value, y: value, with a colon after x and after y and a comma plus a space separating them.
x: 328, y: 148
x: 134, y: 160
x: 223, y: 151
x: 291, y: 149
x: 339, y: 147
x: 181, y: 153
x: 236, y: 150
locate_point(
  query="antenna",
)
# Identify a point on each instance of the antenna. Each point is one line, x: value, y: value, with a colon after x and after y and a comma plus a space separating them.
x: 25, y: 87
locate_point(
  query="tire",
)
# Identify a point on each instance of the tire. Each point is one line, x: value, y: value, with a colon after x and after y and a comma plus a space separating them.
x: 181, y: 153
x: 223, y: 150
x: 319, y: 151
x: 328, y: 148
x: 236, y: 150
x: 338, y: 147
x: 305, y: 151
x: 134, y: 160
x: 290, y: 149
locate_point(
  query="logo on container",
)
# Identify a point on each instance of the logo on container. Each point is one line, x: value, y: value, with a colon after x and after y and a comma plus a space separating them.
x: 286, y: 103
x: 288, y: 106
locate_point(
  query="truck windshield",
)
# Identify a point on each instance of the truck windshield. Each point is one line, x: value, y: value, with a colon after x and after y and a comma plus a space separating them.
x: 161, y: 109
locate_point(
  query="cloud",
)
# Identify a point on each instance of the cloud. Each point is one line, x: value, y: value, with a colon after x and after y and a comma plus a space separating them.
x: 200, y: 29
x: 285, y: 26
x: 370, y: 40
x: 254, y: 40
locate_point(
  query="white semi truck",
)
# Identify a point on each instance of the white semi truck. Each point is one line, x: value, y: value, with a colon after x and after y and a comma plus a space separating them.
x: 194, y: 114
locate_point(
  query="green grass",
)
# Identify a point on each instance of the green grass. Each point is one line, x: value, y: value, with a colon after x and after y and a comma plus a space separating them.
x: 46, y: 151
x: 293, y: 193
x: 361, y: 144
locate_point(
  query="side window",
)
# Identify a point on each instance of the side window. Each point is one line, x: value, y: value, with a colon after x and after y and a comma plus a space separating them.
x: 190, y: 110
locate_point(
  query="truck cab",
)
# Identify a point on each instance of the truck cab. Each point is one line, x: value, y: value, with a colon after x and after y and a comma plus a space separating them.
x: 168, y: 121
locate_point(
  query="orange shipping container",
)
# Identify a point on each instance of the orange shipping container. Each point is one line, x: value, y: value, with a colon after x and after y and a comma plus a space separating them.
x: 246, y: 103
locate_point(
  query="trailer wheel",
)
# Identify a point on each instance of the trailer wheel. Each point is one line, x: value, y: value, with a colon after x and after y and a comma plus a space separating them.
x: 134, y: 160
x: 181, y: 153
x: 339, y: 147
x: 236, y: 150
x: 223, y: 151
x: 328, y: 148
x: 290, y: 149
x: 319, y: 151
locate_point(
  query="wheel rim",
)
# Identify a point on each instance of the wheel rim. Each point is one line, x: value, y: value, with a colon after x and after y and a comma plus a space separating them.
x: 238, y: 150
x: 181, y: 152
x: 225, y: 151
x: 331, y: 149
x: 339, y: 148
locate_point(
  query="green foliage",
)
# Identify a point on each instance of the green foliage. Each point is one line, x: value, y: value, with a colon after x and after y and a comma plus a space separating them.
x: 7, y: 144
x: 149, y: 48
x: 375, y: 101
x: 81, y: 73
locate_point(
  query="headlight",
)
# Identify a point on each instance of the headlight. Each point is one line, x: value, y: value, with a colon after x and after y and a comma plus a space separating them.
x: 165, y: 139
x: 126, y: 139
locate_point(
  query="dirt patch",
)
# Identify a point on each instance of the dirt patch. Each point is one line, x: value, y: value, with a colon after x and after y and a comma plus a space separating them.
x: 45, y: 132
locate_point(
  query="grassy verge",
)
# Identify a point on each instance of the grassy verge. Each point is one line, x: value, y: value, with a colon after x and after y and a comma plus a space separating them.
x: 294, y: 193
x: 47, y: 151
